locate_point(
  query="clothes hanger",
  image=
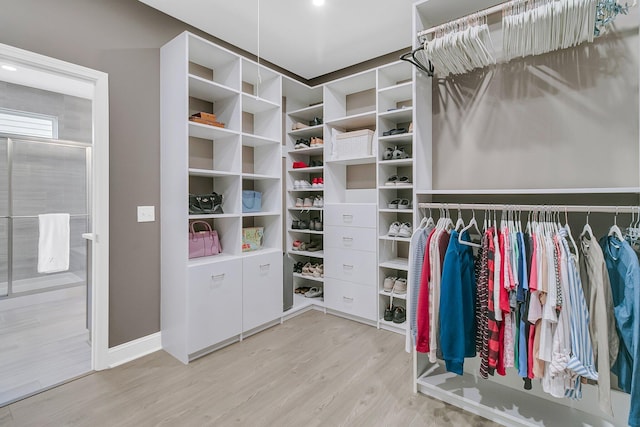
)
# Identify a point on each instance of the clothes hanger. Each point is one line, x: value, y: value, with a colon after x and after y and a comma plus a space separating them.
x: 459, y: 222
x: 615, y: 230
x: 472, y: 223
x: 568, y: 230
x: 586, y: 230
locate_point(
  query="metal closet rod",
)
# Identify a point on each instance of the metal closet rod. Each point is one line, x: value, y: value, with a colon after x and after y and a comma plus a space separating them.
x: 535, y: 208
x: 484, y: 12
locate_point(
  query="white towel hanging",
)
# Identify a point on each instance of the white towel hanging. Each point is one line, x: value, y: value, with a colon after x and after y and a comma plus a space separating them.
x: 53, y: 243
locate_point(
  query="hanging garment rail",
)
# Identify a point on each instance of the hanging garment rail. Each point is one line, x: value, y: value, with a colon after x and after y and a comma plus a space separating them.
x: 484, y: 12
x: 501, y: 207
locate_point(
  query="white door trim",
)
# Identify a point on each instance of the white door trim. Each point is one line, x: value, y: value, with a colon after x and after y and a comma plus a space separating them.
x: 93, y: 85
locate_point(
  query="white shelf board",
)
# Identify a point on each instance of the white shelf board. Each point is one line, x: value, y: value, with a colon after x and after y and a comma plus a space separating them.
x: 395, y: 239
x: 258, y: 252
x: 399, y: 92
x: 293, y: 208
x: 197, y: 262
x: 353, y: 161
x: 302, y: 190
x: 254, y: 105
x: 308, y: 131
x: 355, y: 121
x: 317, y: 254
x: 307, y: 113
x: 259, y: 177
x: 400, y: 328
x: 400, y: 115
x: 396, y: 264
x: 611, y: 190
x: 395, y: 187
x: 306, y: 170
x: 214, y: 216
x: 400, y: 139
x: 210, y: 173
x: 397, y: 162
x: 308, y: 151
x: 388, y: 294
x: 203, y: 131
x: 250, y: 140
x: 294, y: 230
x: 208, y: 90
x: 402, y: 211
x: 300, y: 302
x: 315, y: 279
x: 268, y: 213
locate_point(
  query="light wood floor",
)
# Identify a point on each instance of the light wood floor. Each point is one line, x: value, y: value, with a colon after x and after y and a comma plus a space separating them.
x: 313, y: 370
x: 43, y: 341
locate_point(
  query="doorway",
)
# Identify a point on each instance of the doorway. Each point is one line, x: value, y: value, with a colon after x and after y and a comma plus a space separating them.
x: 53, y: 160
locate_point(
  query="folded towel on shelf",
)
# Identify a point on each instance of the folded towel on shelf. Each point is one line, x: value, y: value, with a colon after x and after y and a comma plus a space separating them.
x: 53, y: 243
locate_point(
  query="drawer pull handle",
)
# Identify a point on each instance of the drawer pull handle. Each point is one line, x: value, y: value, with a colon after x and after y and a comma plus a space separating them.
x: 348, y: 239
x: 347, y: 266
x: 265, y: 266
x: 347, y: 299
x: 217, y: 276
x: 347, y: 217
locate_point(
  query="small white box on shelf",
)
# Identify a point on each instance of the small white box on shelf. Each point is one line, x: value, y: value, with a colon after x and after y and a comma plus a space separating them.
x: 353, y: 144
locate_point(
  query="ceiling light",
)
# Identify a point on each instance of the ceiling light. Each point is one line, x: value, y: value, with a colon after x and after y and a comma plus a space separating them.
x: 318, y: 2
x: 9, y: 68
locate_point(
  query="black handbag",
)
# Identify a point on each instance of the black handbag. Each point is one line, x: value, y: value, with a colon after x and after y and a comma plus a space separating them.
x: 205, y: 203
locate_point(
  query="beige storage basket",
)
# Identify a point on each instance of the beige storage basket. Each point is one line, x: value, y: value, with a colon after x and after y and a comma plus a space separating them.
x: 353, y: 144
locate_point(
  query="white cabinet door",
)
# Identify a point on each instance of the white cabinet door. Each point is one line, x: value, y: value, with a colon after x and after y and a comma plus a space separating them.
x: 351, y: 266
x: 360, y: 239
x: 214, y: 305
x: 350, y: 298
x: 261, y: 289
x: 350, y: 215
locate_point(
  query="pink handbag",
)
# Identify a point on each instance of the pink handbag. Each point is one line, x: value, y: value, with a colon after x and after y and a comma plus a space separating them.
x: 203, y: 243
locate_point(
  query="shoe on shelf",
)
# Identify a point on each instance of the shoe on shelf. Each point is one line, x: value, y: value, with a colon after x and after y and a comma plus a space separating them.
x: 403, y: 180
x: 388, y: 283
x: 317, y: 183
x: 399, y: 315
x: 302, y: 290
x: 301, y: 144
x: 300, y: 165
x: 318, y: 202
x: 399, y: 286
x: 388, y: 154
x: 317, y: 225
x: 405, y: 230
x: 319, y: 271
x: 298, y: 125
x: 314, y: 246
x: 316, y: 142
x: 314, y: 292
x: 404, y: 204
x: 315, y: 163
x: 394, y: 132
x: 399, y: 153
x: 308, y: 202
x: 299, y: 202
x: 391, y: 180
x: 303, y: 184
x: 295, y: 245
x: 303, y: 225
x: 295, y: 224
x: 315, y: 122
x: 388, y: 313
x: 394, y: 229
x: 394, y: 204
x: 411, y: 127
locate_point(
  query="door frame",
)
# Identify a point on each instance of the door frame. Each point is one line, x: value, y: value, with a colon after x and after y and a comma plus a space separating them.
x: 81, y: 81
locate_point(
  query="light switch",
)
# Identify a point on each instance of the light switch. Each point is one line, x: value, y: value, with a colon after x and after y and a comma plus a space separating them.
x: 146, y: 213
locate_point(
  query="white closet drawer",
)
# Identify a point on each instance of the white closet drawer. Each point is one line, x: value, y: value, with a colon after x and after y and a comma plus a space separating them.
x: 261, y: 289
x: 351, y: 298
x: 360, y: 239
x: 351, y: 266
x: 351, y: 215
x: 214, y: 304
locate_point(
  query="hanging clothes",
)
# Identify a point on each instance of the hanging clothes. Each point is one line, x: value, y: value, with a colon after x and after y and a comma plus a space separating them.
x: 417, y: 249
x: 457, y: 304
x: 624, y: 275
x: 602, y: 327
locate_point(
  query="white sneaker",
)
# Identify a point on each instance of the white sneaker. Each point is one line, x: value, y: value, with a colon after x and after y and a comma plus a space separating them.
x: 305, y: 184
x: 296, y: 184
x: 394, y: 229
x: 299, y: 202
x: 405, y: 230
x: 318, y: 202
x: 400, y: 286
x: 308, y: 203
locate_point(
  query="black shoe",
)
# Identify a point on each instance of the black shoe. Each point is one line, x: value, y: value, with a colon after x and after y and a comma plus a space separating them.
x: 399, y: 315
x: 315, y: 122
x: 388, y: 313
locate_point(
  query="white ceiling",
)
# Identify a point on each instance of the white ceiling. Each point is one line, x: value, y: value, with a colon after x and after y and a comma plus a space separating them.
x: 296, y: 35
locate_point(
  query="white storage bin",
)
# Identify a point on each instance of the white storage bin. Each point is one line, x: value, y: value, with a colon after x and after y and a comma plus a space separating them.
x: 353, y: 144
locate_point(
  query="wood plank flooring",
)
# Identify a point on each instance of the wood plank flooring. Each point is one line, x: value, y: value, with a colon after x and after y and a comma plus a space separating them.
x: 313, y: 370
x: 43, y: 342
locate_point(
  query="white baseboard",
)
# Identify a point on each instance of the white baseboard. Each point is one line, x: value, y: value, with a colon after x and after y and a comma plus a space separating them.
x: 135, y: 349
